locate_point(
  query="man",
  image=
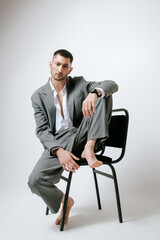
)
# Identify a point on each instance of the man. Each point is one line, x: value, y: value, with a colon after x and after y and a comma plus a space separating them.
x: 72, y: 117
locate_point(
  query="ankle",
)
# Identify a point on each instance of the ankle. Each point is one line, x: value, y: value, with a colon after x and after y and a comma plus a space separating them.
x: 63, y: 199
x: 90, y: 145
x: 69, y: 199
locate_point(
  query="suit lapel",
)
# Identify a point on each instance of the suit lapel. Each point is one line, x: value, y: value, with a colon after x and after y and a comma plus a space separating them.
x: 49, y: 101
x: 70, y: 95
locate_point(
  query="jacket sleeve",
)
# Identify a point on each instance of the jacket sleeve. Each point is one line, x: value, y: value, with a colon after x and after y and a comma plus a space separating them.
x: 108, y: 86
x: 43, y: 130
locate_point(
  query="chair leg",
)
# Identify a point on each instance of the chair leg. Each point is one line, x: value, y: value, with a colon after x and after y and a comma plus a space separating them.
x: 97, y: 189
x: 117, y: 194
x: 47, y: 210
x: 66, y: 201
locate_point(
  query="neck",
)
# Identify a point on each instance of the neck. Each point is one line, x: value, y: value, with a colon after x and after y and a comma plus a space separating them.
x: 58, y: 85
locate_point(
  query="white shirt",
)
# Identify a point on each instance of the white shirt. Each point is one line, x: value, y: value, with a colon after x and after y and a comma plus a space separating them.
x: 61, y: 124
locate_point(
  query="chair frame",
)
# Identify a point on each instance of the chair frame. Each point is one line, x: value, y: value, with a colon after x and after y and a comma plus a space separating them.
x: 113, y: 176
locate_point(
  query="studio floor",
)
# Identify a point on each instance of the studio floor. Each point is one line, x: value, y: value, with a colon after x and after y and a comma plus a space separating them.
x: 23, y: 217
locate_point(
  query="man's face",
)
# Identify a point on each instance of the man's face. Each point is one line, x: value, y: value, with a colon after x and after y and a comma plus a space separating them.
x: 60, y: 67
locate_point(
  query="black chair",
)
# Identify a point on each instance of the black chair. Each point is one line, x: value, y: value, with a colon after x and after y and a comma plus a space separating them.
x: 118, y: 129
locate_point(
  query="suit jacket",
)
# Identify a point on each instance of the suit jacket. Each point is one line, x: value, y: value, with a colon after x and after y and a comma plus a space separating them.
x: 45, y: 111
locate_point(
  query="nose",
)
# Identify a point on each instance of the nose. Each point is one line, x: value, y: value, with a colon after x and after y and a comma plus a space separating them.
x: 60, y: 68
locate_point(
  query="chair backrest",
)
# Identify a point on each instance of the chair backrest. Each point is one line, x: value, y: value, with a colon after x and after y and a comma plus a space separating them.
x: 118, y: 129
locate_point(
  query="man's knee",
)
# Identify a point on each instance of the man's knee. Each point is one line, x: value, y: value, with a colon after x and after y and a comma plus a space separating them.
x: 33, y: 182
x: 104, y: 106
x: 104, y: 103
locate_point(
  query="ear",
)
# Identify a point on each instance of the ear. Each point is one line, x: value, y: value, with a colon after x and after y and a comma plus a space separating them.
x: 70, y: 70
x: 50, y: 64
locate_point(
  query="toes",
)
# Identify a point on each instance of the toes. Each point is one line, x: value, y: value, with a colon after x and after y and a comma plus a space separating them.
x: 66, y: 221
x: 58, y: 221
x: 96, y: 164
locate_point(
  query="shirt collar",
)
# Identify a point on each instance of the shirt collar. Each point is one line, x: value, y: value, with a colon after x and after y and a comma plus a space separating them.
x: 54, y: 90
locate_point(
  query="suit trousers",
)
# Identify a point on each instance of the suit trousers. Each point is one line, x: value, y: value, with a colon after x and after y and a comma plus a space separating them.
x: 48, y: 170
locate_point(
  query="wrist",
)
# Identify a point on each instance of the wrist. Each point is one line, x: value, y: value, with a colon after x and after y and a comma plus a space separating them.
x: 97, y: 92
x: 58, y: 151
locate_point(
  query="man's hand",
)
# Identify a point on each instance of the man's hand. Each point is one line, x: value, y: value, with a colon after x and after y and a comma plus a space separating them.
x: 88, y: 106
x: 66, y: 160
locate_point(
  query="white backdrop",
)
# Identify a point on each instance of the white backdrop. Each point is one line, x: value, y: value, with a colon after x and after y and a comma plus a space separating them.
x: 116, y: 40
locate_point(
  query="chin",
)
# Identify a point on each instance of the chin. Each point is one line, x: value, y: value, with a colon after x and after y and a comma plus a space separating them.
x: 59, y: 79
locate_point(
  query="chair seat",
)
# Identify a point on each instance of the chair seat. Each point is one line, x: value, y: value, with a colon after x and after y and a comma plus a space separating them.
x: 104, y: 159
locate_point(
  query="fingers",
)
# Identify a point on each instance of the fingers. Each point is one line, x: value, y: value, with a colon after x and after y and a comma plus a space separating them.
x: 94, y: 108
x: 70, y: 167
x: 70, y: 164
x: 65, y: 168
x: 88, y: 109
x: 74, y: 157
x: 88, y: 106
x: 73, y: 164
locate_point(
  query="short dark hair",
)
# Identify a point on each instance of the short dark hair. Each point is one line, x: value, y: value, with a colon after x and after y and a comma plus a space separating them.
x: 64, y: 53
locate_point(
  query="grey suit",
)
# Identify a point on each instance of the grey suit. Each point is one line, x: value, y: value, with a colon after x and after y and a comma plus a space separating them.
x: 48, y: 170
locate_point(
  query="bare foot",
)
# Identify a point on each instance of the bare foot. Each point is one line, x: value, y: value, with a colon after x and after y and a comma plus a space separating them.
x: 69, y: 206
x: 91, y: 158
